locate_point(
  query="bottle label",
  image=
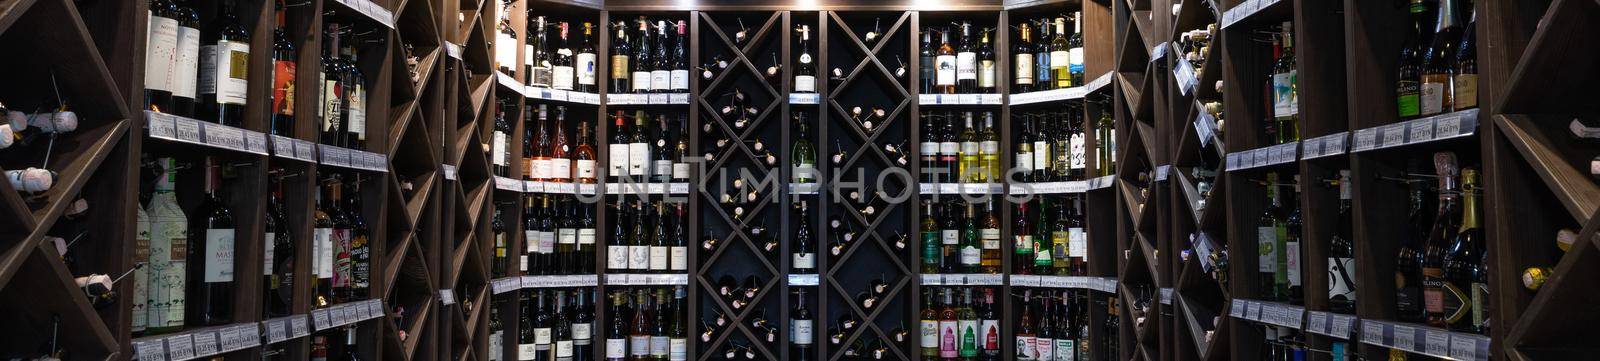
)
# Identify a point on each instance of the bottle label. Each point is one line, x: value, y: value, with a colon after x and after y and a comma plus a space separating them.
x: 805, y: 84
x: 663, y: 168
x: 680, y: 171
x: 1025, y: 348
x: 969, y: 256
x: 541, y: 337
x: 541, y: 76
x: 1078, y: 243
x: 341, y: 257
x: 617, y: 257
x: 945, y: 66
x: 616, y: 348
x: 567, y: 236
x: 679, y: 350
x: 505, y: 50
x: 283, y: 87
x: 930, y: 333
x: 989, y: 334
x: 1341, y: 279
x: 560, y: 169
x: 564, y: 349
x: 528, y: 55
x: 639, y: 346
x: 1076, y: 159
x: 966, y: 66
x: 1284, y: 101
x: 660, y: 346
x: 1075, y: 60
x: 497, y: 346
x: 1041, y: 252
x: 356, y: 107
x: 990, y: 238
x: 1291, y: 251
x: 969, y: 149
x: 1457, y: 302
x: 661, y: 79
x: 1023, y: 244
x: 580, y: 333
x: 1266, y: 241
x: 928, y: 148
x: 680, y: 258
x: 1062, y: 241
x: 586, y: 236
x: 1480, y: 300
x: 534, y: 244
x: 618, y: 164
x: 1024, y: 161
x: 947, y: 339
x: 1433, y: 290
x: 680, y: 79
x: 524, y: 263
x: 804, y: 260
x: 639, y: 257
x: 160, y: 53
x: 1024, y: 72
x: 497, y: 148
x: 969, y: 338
x: 658, y: 258
x: 322, y: 252
x: 1433, y: 96
x: 225, y: 71
x: 950, y: 237
x: 800, y: 330
x: 1041, y: 155
x: 527, y: 352
x: 1466, y: 91
x: 186, y: 59
x: 1059, y: 59
x: 332, y: 105
x: 638, y: 158
x: 586, y: 70
x: 619, y: 67
x: 1044, y: 348
x: 219, y: 255
x: 641, y: 81
x: 585, y: 169
x: 561, y: 78
x: 986, y: 74
x: 1406, y: 91
x: 269, y: 245
x: 1065, y: 350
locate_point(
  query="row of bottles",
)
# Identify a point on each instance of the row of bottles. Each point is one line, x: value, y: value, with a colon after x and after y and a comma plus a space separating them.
x: 647, y: 324
x: 547, y: 154
x: 1052, y: 145
x: 1054, y: 325
x: 558, y: 237
x: 1053, y: 60
x: 960, y: 323
x: 203, y: 73
x: 1049, y: 237
x: 652, y: 58
x: 966, y: 66
x: 649, y: 148
x: 647, y: 237
x: 555, y: 325
x: 960, y: 237
x: 176, y: 293
x: 957, y: 148
x: 1438, y: 68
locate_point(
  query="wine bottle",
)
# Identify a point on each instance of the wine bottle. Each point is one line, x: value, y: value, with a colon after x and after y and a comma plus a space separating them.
x: 537, y: 53
x: 928, y: 326
x: 1442, y: 301
x: 804, y: 254
x: 285, y: 56
x: 497, y: 226
x: 566, y: 236
x: 582, y: 325
x: 1077, y: 239
x: 561, y: 330
x: 988, y: 151
x: 1465, y: 274
x: 1042, y: 70
x: 643, y: 62
x: 1408, y: 82
x: 989, y: 239
x: 169, y: 231
x: 224, y: 80
x: 966, y: 61
x: 661, y: 166
x: 925, y: 55
x: 279, y: 257
x: 1022, y: 244
x: 1341, y: 254
x: 986, y: 65
x: 660, y: 250
x: 803, y: 155
x: 801, y: 326
x: 988, y: 328
x: 562, y: 67
x: 617, y: 333
x: 639, y: 149
x: 1106, y: 144
x: 970, y: 169
x: 1060, y: 56
x: 967, y: 324
x: 499, y: 146
x: 322, y: 239
x: 1022, y: 62
x: 360, y: 247
x: 950, y: 239
x: 805, y: 74
x: 1465, y: 69
x: 680, y: 59
x: 1286, y: 102
x: 661, y: 72
x: 945, y: 65
x: 160, y: 52
x: 543, y: 325
x: 1435, y: 95
x: 639, y: 333
x: 332, y: 96
x: 678, y: 247
x: 585, y: 65
x: 617, y: 150
x: 583, y: 157
x: 621, y: 54
x: 948, y: 327
x: 505, y: 43
x: 1075, y: 49
x: 931, y: 240
x: 211, y: 299
x: 355, y: 92
x: 1027, y: 344
x: 949, y: 150
x: 1270, y: 237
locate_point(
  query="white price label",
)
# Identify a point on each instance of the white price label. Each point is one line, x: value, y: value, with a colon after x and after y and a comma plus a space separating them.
x: 1464, y: 348
x: 277, y: 331
x: 1318, y: 322
x: 319, y: 318
x: 161, y: 125
x: 1437, y: 343
x: 180, y: 347
x: 447, y: 297
x: 1372, y: 333
x: 1366, y: 139
x: 658, y: 98
x: 1333, y: 144
x: 1421, y: 130
x: 1394, y: 135
x: 1340, y: 326
x: 678, y: 98
x: 1448, y: 125
x: 224, y: 136
x: 188, y: 129
x: 229, y: 337
x: 298, y: 327
x: 149, y: 351
x: 1405, y: 338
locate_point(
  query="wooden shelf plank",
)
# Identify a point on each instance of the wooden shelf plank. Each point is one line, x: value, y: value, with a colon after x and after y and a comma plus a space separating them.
x: 1577, y: 193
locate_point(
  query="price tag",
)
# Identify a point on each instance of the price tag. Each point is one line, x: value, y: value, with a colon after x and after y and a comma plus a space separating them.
x: 1437, y: 343
x: 188, y: 130
x: 1340, y: 327
x: 1103, y: 80
x: 1394, y: 135
x: 1318, y: 322
x: 1233, y: 161
x: 354, y: 312
x: 589, y: 189
x: 1464, y: 348
x: 277, y: 331
x: 319, y: 318
x: 1297, y: 317
x: 250, y: 335
x: 933, y: 280
x: 222, y: 136
x: 678, y: 98
x: 656, y: 188
x: 658, y: 98
x: 1366, y: 139
x: 149, y: 351
x: 1372, y: 333
x: 447, y: 297
x: 160, y: 125
x: 336, y: 316
x: 298, y: 327
x: 303, y: 150
x: 180, y: 347
x: 229, y: 337
x: 1421, y: 130
x: 926, y: 99
x: 205, y: 344
x: 371, y: 309
x: 1263, y: 156
x: 282, y: 147
x: 1405, y: 338
x: 1255, y: 309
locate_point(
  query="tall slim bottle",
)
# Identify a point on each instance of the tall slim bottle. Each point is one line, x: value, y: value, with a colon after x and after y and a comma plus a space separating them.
x: 211, y: 299
x: 284, y: 59
x: 169, y: 237
x: 1060, y: 56
x: 1022, y: 59
x: 224, y: 70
